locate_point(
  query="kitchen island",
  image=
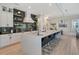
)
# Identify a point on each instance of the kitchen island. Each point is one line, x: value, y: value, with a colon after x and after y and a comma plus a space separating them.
x: 32, y: 43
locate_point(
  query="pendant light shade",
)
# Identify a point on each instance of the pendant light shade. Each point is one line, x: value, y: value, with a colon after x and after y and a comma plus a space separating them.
x: 28, y: 18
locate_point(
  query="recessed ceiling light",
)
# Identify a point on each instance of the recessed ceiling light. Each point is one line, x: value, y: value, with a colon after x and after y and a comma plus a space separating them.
x: 16, y: 3
x: 29, y: 7
x: 50, y: 4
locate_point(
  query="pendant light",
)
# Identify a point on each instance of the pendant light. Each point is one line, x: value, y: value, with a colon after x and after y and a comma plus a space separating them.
x: 28, y: 18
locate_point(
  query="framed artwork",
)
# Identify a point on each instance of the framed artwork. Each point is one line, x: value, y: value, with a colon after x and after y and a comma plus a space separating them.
x: 62, y: 24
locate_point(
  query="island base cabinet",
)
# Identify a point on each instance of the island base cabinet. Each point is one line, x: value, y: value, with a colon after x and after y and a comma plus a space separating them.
x: 31, y: 45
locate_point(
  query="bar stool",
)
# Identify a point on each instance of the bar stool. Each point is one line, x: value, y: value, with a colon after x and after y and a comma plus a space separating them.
x: 45, y: 49
x: 51, y: 43
x: 48, y: 48
x: 54, y: 40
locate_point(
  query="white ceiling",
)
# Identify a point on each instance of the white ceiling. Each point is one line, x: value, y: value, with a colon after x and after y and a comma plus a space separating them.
x: 43, y: 9
x: 70, y: 8
x: 54, y: 10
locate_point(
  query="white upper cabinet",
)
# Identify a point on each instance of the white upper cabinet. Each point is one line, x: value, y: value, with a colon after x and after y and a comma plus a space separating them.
x: 10, y: 19
x: 3, y: 19
x: 6, y: 17
x: 0, y: 16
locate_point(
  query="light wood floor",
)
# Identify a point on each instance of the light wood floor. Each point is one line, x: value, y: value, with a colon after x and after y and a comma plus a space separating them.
x: 11, y: 50
x: 68, y: 45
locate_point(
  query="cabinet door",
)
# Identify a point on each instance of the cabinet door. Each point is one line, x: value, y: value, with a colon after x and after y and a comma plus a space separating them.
x: 0, y: 16
x: 6, y: 19
x: 3, y: 19
x: 4, y: 40
x: 10, y: 19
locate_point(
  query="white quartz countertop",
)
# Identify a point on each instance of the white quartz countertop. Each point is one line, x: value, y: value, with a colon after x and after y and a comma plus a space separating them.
x: 41, y: 34
x: 47, y: 33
